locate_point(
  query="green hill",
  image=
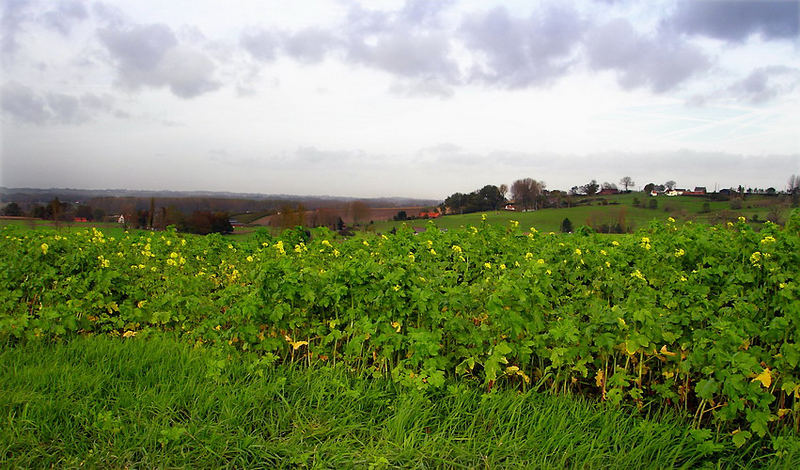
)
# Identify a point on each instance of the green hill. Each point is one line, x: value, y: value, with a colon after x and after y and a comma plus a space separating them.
x: 619, y: 209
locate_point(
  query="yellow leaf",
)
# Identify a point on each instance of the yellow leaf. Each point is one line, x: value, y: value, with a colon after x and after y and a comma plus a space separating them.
x: 783, y: 412
x: 665, y: 352
x: 129, y: 334
x: 296, y: 344
x: 599, y: 378
x: 764, y: 377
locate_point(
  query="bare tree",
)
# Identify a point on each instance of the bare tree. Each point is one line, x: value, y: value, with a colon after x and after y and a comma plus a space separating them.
x: 289, y: 216
x: 325, y: 217
x: 626, y: 182
x: 670, y: 185
x: 503, y: 190
x: 526, y: 192
x: 794, y: 184
x: 359, y: 211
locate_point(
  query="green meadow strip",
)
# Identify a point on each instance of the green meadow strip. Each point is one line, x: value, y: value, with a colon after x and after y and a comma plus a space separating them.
x: 101, y: 402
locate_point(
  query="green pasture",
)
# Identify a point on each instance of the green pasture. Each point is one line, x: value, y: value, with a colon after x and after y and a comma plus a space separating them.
x: 620, y: 208
x: 154, y: 402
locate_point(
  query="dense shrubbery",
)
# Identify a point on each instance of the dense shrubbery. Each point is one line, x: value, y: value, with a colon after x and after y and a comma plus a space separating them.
x: 705, y: 319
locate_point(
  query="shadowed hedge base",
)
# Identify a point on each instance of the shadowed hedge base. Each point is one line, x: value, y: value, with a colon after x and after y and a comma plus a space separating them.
x: 147, y: 402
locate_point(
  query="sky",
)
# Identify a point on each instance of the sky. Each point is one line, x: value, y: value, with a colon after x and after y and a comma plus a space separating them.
x: 417, y: 98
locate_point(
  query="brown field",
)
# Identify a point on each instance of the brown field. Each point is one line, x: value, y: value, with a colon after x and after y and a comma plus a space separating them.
x: 376, y: 214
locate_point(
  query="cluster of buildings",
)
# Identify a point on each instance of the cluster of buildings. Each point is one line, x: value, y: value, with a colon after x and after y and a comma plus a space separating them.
x: 698, y: 191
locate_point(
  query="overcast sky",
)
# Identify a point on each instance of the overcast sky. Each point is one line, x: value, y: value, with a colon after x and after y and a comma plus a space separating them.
x: 420, y: 98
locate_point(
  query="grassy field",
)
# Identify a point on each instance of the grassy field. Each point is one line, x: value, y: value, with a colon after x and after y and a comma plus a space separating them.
x: 156, y: 402
x: 620, y: 208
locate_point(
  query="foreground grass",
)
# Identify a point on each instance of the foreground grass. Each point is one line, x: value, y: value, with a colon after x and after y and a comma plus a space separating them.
x: 155, y: 402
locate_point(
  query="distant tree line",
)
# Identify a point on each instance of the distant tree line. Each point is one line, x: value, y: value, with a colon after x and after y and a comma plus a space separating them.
x: 488, y: 198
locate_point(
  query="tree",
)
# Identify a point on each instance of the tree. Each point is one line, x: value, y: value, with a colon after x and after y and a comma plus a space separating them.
x: 152, y: 213
x: 590, y: 188
x: 626, y: 182
x: 490, y: 197
x: 204, y: 222
x: 289, y: 216
x: 84, y: 212
x: 54, y: 209
x: 608, y: 185
x: 359, y: 210
x: 793, y: 185
x: 793, y: 188
x: 503, y: 190
x: 526, y: 192
x: 670, y: 185
x: 12, y: 210
x: 38, y: 211
x: 455, y: 203
x: 324, y: 217
x: 401, y: 215
x: 566, y: 225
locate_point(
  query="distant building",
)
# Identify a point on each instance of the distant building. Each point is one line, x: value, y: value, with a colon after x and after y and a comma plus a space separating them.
x: 698, y: 191
x: 608, y: 191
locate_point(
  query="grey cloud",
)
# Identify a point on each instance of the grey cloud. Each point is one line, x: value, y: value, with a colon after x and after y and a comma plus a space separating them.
x: 150, y: 55
x: 660, y: 62
x: 103, y: 102
x: 108, y: 14
x: 406, y: 54
x: 14, y: 14
x: 766, y: 83
x: 737, y: 20
x: 450, y: 155
x: 406, y: 42
x: 523, y: 52
x: 423, y: 12
x: 300, y: 159
x: 66, y: 108
x: 402, y: 43
x: 64, y: 15
x: 261, y: 44
x: 23, y: 104
x: 314, y: 156
x: 310, y: 45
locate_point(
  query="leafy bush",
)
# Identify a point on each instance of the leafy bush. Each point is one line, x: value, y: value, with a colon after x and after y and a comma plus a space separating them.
x: 695, y: 317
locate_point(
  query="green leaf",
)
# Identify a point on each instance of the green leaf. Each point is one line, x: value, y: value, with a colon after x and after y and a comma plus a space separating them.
x: 740, y: 438
x: 706, y: 388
